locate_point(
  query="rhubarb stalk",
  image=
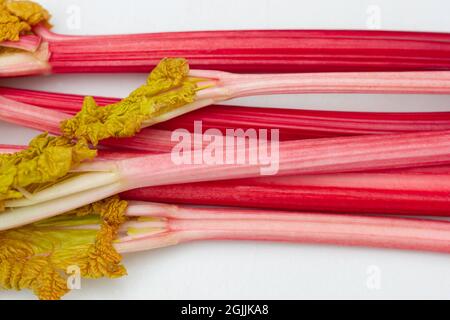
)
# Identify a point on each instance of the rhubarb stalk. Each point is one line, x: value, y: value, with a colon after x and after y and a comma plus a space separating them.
x: 172, y: 90
x: 94, y: 237
x: 156, y: 141
x: 253, y: 51
x: 294, y: 124
x: 237, y: 51
x: 410, y: 191
x: 402, y: 193
x: 106, y: 178
x: 177, y: 224
x: 216, y: 86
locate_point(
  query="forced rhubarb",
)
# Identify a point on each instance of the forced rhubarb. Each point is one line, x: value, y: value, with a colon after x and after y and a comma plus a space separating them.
x: 100, y: 179
x: 41, y: 182
x: 178, y: 224
x: 414, y: 192
x: 149, y: 141
x: 410, y: 191
x: 236, y: 51
x: 293, y: 124
x: 95, y: 236
x: 253, y: 51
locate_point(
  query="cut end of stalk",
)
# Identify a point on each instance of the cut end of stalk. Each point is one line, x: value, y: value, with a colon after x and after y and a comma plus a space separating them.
x: 14, y: 62
x: 184, y: 224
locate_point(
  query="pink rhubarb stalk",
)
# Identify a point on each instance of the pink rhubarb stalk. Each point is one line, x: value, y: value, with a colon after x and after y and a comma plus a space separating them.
x: 48, y: 120
x: 293, y: 124
x: 347, y: 154
x: 410, y: 191
x: 252, y: 51
x: 229, y: 85
x: 171, y: 225
x: 24, y: 62
x: 28, y: 43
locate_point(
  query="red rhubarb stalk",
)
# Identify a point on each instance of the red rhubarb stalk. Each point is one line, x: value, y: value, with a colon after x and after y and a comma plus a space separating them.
x: 410, y: 191
x: 171, y: 225
x: 403, y: 192
x: 253, y: 51
x: 48, y: 120
x: 293, y: 124
x: 347, y: 154
x: 290, y: 120
x: 415, y: 191
x: 111, y: 154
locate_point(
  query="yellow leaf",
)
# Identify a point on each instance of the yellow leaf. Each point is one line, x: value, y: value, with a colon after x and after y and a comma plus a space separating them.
x: 46, y: 160
x: 18, y: 17
x: 168, y: 87
x: 37, y: 256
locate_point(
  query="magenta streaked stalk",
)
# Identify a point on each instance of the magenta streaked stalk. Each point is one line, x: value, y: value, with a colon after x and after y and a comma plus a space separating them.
x: 9, y: 148
x: 31, y: 116
x: 253, y: 50
x: 293, y: 124
x: 28, y: 43
x: 348, y: 154
x: 403, y: 192
x: 150, y: 141
x: 103, y: 154
x: 172, y: 225
x: 410, y: 191
x: 222, y: 86
x: 225, y: 86
x: 228, y: 85
x: 109, y: 154
x: 344, y: 154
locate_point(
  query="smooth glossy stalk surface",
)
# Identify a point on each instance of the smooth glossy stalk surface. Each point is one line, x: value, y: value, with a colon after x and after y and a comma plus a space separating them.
x: 253, y: 51
x: 293, y: 124
x: 184, y: 224
x: 404, y: 192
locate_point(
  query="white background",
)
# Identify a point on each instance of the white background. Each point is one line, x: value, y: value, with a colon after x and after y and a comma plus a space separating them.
x: 249, y: 270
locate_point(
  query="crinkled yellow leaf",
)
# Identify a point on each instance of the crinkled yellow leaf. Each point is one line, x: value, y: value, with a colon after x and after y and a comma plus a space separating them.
x: 18, y: 17
x: 46, y: 160
x: 168, y: 87
x: 28, y: 11
x: 49, y: 159
x: 37, y: 256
